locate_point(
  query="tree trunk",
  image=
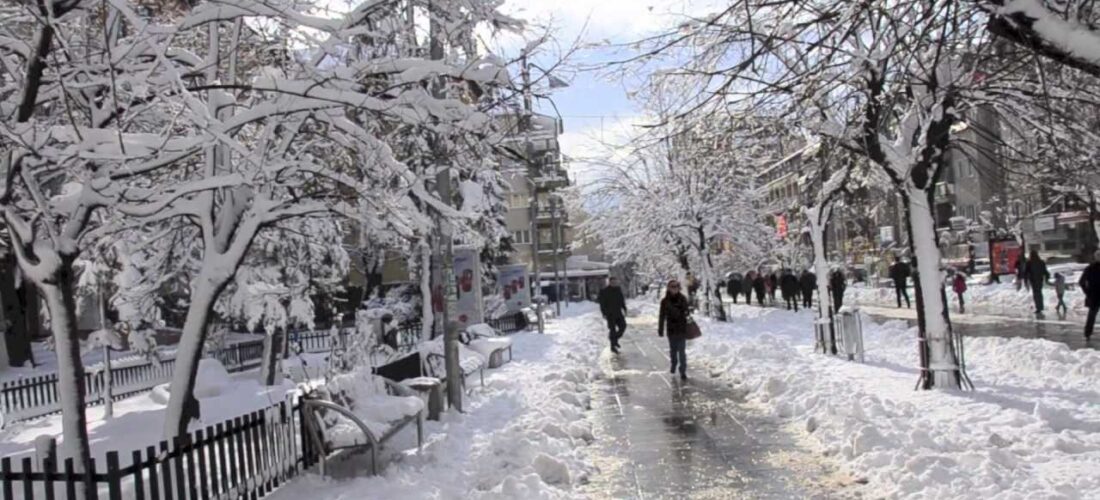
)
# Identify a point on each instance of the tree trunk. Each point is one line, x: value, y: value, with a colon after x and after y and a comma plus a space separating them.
x: 182, y: 406
x: 70, y: 370
x: 271, y: 357
x: 943, y: 368
x: 427, y: 316
x: 16, y: 336
x: 819, y: 216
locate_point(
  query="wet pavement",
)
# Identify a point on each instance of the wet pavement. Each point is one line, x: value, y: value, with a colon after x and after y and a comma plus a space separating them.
x: 1066, y: 332
x: 659, y: 437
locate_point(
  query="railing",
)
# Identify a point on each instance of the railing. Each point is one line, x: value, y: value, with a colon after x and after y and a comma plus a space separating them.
x: 509, y: 324
x: 246, y: 457
x: 38, y: 396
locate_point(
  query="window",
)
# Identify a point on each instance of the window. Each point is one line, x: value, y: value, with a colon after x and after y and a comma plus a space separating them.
x: 517, y: 200
x: 522, y: 237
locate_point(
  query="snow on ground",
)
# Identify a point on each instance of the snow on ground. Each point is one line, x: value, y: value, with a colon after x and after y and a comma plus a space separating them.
x: 139, y: 421
x: 1030, y: 430
x: 522, y: 436
x: 997, y: 299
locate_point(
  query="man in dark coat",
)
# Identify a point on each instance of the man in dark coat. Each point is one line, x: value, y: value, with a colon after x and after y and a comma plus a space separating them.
x: 1037, y: 274
x: 808, y: 282
x: 772, y: 285
x: 747, y: 286
x: 613, y: 308
x: 1090, y: 285
x: 837, y: 284
x: 733, y: 286
x: 759, y: 287
x: 788, y: 286
x: 672, y: 318
x: 899, y: 272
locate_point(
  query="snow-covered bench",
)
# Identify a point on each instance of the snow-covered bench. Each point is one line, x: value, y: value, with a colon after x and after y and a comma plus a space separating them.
x: 434, y: 361
x: 357, y: 412
x: 483, y: 339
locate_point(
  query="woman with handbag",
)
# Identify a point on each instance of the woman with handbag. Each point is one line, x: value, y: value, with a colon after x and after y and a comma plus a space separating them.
x: 674, y: 318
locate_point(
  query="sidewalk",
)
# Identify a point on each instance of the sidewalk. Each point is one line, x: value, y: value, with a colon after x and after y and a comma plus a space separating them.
x: 976, y: 325
x: 658, y: 437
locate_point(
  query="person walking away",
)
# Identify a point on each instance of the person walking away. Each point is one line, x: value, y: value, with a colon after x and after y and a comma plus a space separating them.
x: 1060, y: 291
x: 613, y: 308
x: 773, y: 284
x: 746, y: 287
x: 959, y: 286
x: 672, y: 319
x: 788, y: 285
x: 759, y: 286
x: 1037, y: 275
x: 837, y: 285
x: 899, y: 273
x: 808, y: 281
x: 733, y: 286
x: 1090, y: 285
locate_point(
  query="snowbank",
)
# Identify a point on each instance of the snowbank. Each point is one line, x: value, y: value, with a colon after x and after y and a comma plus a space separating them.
x: 1030, y: 430
x: 523, y: 436
x: 365, y: 395
x: 997, y: 299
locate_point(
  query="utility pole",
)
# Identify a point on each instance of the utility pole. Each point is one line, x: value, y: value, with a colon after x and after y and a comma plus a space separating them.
x: 443, y: 252
x: 532, y: 166
x: 555, y: 225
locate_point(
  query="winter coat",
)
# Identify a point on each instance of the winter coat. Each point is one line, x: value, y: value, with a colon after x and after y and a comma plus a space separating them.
x: 773, y: 282
x: 1060, y: 285
x: 612, y: 303
x: 1036, y: 272
x: 1090, y: 284
x: 837, y: 282
x: 746, y: 284
x: 808, y: 282
x: 788, y: 285
x: 733, y: 287
x: 959, y: 284
x: 758, y: 284
x: 673, y: 316
x: 899, y: 272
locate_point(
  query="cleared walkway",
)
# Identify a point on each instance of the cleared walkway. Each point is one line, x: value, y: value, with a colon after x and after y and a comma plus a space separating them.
x: 658, y: 437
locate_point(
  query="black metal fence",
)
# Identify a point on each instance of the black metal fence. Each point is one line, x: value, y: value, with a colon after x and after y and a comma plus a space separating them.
x: 245, y: 457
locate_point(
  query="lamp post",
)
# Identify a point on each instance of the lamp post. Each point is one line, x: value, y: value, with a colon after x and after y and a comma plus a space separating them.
x: 555, y: 211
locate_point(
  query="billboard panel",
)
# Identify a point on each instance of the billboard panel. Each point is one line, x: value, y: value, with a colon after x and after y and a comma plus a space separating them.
x: 467, y: 287
x: 1004, y: 256
x: 513, y: 284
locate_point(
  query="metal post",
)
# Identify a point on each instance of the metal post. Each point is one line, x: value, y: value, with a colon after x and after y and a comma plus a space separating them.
x: 445, y: 243
x: 531, y: 166
x: 555, y: 225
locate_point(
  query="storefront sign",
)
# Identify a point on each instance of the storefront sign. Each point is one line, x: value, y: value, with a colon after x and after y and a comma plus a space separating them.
x: 886, y: 234
x: 1044, y: 223
x: 513, y: 284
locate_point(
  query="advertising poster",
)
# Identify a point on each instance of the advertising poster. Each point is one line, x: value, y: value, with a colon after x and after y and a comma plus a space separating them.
x: 514, y: 287
x: 467, y: 282
x: 1003, y: 256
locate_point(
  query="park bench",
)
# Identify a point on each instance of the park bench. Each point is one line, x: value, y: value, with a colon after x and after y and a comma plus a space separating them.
x: 358, y: 413
x: 487, y: 341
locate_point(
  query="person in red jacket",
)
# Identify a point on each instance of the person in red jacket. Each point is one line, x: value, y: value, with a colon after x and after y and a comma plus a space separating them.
x: 959, y: 286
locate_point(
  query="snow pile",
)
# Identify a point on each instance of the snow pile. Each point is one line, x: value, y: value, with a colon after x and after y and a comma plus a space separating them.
x: 998, y: 299
x: 522, y: 436
x: 1031, y: 430
x: 468, y: 359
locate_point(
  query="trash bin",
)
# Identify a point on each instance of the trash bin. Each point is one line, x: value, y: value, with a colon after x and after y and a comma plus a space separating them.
x: 850, y: 332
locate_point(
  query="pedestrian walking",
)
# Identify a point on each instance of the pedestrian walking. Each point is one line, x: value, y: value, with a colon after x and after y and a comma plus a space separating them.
x: 672, y: 318
x: 808, y: 281
x: 837, y: 284
x: 733, y: 286
x: 760, y: 287
x: 1060, y: 291
x: 1090, y: 286
x: 788, y: 286
x: 613, y: 307
x: 899, y: 273
x: 1036, y: 275
x: 959, y: 286
x: 746, y: 287
x: 773, y: 284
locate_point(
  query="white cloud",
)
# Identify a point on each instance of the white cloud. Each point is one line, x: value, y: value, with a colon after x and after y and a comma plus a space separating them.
x: 590, y: 148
